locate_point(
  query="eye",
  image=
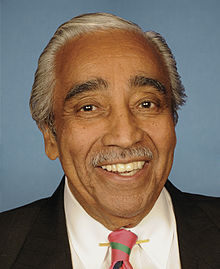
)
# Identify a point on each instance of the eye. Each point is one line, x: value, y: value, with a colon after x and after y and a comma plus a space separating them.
x: 88, y: 108
x: 147, y: 104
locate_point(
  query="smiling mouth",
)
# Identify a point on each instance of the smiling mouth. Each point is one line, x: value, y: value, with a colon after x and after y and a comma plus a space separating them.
x: 124, y: 169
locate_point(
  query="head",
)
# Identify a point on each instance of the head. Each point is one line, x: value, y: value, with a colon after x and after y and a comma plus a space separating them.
x: 105, y: 97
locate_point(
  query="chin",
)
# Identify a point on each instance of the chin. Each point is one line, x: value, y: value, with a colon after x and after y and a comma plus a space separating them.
x: 128, y: 211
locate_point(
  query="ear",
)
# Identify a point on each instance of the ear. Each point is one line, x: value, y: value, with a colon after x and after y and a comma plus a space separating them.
x: 50, y: 143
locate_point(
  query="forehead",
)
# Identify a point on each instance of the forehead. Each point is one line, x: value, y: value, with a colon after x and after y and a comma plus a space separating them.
x: 113, y: 55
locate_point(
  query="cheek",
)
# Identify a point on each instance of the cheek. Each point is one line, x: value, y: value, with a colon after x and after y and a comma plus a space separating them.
x: 78, y: 139
x: 74, y: 141
x: 163, y: 135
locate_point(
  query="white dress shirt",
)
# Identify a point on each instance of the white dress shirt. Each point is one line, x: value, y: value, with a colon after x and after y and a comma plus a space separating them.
x: 159, y: 226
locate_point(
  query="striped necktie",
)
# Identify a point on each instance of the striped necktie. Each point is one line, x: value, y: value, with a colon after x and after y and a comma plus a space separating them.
x: 121, y: 242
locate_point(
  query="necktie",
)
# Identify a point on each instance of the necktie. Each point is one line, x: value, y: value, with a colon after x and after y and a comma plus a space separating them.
x: 121, y: 242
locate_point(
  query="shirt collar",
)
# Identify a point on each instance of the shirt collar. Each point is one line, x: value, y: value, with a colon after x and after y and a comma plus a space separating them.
x: 158, y: 227
x: 85, y: 233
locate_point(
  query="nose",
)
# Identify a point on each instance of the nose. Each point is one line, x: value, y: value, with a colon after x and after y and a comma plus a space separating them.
x: 122, y: 130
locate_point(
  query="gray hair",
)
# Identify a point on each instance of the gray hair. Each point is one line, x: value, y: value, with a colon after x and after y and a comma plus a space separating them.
x: 112, y: 155
x: 41, y: 100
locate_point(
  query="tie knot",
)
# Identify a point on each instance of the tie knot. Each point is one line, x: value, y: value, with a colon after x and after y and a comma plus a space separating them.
x: 121, y: 242
x: 124, y: 237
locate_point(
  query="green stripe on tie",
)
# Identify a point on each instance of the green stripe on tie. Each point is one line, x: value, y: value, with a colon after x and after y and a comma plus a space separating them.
x: 115, y: 245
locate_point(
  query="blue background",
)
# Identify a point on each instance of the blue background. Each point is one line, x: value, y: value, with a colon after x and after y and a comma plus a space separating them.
x: 191, y: 29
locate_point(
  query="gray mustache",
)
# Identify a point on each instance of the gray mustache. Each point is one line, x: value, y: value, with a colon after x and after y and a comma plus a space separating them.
x: 120, y: 154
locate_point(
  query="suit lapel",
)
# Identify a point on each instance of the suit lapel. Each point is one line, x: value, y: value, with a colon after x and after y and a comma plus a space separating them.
x: 195, y: 231
x: 46, y: 245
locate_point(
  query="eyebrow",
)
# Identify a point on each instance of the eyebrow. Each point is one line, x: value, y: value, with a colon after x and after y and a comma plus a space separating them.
x: 140, y: 81
x: 90, y: 85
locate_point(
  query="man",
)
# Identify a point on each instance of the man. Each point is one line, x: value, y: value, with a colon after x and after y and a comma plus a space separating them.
x: 105, y: 97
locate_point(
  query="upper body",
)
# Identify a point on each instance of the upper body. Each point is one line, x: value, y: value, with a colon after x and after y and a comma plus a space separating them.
x: 35, y: 235
x: 105, y: 97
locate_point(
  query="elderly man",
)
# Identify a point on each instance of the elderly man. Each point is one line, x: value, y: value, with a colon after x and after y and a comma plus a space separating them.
x: 105, y: 97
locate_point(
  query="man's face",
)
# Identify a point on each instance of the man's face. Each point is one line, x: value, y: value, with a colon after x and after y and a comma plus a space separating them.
x: 115, y: 131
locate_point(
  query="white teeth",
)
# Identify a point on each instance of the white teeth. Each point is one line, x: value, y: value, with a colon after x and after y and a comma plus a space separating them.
x: 122, y: 168
x: 139, y: 165
x: 108, y: 167
x: 129, y: 173
x: 129, y: 167
x: 135, y: 165
x: 114, y: 168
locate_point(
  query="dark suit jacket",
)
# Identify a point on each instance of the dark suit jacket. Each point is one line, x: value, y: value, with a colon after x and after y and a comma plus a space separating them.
x: 35, y: 236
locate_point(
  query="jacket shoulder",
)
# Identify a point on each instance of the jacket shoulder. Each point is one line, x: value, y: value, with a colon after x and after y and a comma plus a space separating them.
x: 198, y: 227
x: 14, y: 226
x: 21, y: 215
x: 210, y: 206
